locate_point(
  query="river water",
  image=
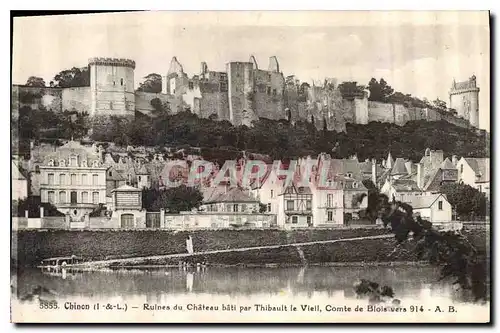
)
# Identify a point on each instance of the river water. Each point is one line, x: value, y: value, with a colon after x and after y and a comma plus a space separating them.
x: 307, y: 294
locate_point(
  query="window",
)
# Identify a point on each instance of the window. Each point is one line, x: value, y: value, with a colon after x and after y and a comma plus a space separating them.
x: 50, y: 197
x: 228, y: 208
x: 85, y: 197
x: 329, y: 200
x: 110, y: 174
x: 73, y: 179
x: 295, y: 219
x: 461, y: 168
x: 51, y: 163
x: 268, y: 89
x: 308, y: 205
x: 330, y: 216
x: 274, y: 92
x: 121, y: 82
x: 74, y: 161
x: 84, y: 179
x: 309, y: 221
x: 191, y: 85
x: 354, y: 185
x: 111, y: 105
x: 84, y: 163
x: 268, y: 207
x: 95, y: 198
x: 290, y: 205
x: 223, y: 86
x: 62, y: 163
x: 440, y: 205
x: 62, y: 197
x: 95, y: 179
x: 479, y: 188
x: 74, y: 197
x: 243, y: 208
x: 37, y: 169
x: 50, y: 178
x: 272, y: 194
x: 139, y: 177
x: 62, y: 179
x: 349, y: 174
x: 235, y: 208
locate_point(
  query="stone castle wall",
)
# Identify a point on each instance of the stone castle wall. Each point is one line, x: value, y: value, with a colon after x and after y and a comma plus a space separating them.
x: 241, y: 94
x: 76, y: 99
x: 37, y: 97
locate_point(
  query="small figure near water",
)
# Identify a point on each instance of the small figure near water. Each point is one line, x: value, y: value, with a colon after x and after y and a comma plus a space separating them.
x: 189, y: 245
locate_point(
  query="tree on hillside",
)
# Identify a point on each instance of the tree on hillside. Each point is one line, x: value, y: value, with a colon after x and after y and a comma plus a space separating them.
x: 379, y: 91
x: 74, y: 77
x: 174, y: 200
x: 466, y: 200
x: 35, y: 81
x: 439, y: 103
x: 350, y: 89
x: 151, y: 83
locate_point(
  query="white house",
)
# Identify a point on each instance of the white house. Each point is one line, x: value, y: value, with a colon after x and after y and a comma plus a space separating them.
x: 475, y: 172
x: 19, y: 183
x: 402, y: 190
x: 432, y: 207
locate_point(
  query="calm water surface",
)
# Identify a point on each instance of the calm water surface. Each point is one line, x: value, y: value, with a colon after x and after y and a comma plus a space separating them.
x: 414, y: 285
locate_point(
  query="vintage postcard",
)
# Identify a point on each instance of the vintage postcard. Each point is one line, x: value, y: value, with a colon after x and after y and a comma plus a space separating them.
x: 251, y: 167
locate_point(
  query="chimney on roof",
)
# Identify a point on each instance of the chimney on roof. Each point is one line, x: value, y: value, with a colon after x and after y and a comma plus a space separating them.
x: 419, y: 175
x: 374, y: 172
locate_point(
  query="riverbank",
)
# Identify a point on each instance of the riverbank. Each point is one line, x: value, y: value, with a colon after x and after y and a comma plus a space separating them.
x: 31, y: 246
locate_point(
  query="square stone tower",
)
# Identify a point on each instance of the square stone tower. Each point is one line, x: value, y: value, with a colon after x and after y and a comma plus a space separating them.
x: 464, y: 98
x: 112, y: 87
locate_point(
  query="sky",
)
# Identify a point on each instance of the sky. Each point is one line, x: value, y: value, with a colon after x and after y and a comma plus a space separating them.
x: 418, y: 53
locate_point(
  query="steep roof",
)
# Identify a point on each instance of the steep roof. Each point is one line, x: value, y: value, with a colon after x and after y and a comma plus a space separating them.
x: 405, y: 185
x: 126, y: 188
x: 390, y: 161
x: 234, y: 194
x: 481, y: 167
x: 339, y: 167
x: 399, y: 167
x: 425, y: 201
x: 447, y: 164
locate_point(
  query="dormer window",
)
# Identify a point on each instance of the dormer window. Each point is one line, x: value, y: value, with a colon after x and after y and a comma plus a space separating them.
x: 354, y: 185
x: 62, y: 163
x: 84, y: 163
x: 349, y: 174
x: 51, y: 163
x: 74, y: 161
x: 95, y: 164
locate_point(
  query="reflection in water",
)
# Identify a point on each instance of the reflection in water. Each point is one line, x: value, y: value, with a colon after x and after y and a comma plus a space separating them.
x: 153, y: 284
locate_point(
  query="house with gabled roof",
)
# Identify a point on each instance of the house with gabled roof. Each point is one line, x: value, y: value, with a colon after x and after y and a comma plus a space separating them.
x: 401, y: 189
x: 475, y: 172
x: 432, y: 207
x: 228, y: 200
x: 446, y: 173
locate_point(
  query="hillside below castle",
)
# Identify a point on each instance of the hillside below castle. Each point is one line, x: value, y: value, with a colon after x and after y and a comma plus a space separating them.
x: 241, y: 94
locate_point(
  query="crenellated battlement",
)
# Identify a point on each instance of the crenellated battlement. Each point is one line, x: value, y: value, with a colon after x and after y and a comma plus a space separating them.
x: 112, y: 62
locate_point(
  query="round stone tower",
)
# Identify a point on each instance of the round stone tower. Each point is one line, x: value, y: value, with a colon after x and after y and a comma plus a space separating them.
x: 112, y: 87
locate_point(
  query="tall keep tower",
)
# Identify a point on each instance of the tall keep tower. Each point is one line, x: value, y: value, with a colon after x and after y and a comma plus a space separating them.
x: 112, y: 87
x: 464, y: 98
